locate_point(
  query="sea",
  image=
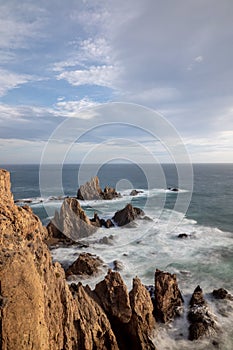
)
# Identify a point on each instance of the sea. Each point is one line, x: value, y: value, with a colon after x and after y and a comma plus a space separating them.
x: 202, y: 208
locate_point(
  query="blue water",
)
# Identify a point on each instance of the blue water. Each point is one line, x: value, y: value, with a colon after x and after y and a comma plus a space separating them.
x: 212, y: 197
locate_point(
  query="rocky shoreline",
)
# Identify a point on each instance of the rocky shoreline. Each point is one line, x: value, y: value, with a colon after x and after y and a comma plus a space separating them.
x: 40, y: 310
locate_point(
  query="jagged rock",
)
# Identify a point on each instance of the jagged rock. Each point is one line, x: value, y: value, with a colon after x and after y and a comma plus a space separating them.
x: 96, y: 221
x: 135, y: 192
x: 108, y: 223
x: 168, y: 300
x: 72, y: 222
x: 92, y: 325
x: 126, y: 215
x: 202, y: 321
x: 110, y: 193
x: 113, y: 296
x: 142, y: 322
x: 91, y: 191
x: 86, y: 264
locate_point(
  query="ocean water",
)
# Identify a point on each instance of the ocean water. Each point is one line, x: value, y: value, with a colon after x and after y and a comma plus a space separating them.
x: 204, y: 258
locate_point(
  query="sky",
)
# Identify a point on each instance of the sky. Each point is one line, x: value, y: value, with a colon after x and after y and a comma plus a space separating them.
x: 75, y: 64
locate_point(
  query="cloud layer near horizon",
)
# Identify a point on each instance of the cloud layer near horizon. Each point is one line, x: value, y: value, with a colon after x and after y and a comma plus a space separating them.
x: 60, y: 58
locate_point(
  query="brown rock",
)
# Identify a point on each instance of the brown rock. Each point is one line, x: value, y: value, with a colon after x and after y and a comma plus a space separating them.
x: 90, y: 190
x: 113, y: 296
x: 221, y: 293
x: 126, y: 215
x: 167, y: 297
x: 142, y: 322
x: 92, y: 325
x: 135, y: 192
x: 72, y: 222
x: 86, y: 264
x: 202, y: 321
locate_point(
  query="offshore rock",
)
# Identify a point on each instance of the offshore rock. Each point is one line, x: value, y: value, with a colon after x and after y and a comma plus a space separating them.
x: 126, y: 215
x: 168, y: 301
x: 135, y: 192
x: 86, y: 264
x: 71, y: 222
x: 92, y: 191
x: 202, y: 321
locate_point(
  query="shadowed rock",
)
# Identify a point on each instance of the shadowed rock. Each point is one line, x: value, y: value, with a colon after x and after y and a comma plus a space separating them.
x: 126, y: 215
x: 168, y: 300
x: 86, y: 264
x: 202, y: 321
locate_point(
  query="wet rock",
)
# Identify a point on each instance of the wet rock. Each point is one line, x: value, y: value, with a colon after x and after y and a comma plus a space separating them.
x: 110, y: 193
x: 126, y: 215
x: 86, y: 264
x: 173, y: 189
x: 183, y: 235
x: 221, y: 293
x: 106, y: 240
x: 96, y: 221
x: 202, y: 321
x: 117, y: 265
x: 168, y: 301
x: 135, y: 192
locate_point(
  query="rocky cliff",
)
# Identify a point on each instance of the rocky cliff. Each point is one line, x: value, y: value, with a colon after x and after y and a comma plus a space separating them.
x: 38, y: 309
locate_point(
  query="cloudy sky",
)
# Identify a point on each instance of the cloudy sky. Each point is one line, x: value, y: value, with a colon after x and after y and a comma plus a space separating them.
x: 60, y: 60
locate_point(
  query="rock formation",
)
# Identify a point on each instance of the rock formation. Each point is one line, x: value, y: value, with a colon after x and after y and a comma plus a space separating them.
x: 92, y: 191
x: 202, y: 322
x: 86, y: 264
x: 135, y: 192
x: 71, y: 222
x: 39, y: 310
x: 168, y: 300
x: 130, y: 314
x: 126, y: 215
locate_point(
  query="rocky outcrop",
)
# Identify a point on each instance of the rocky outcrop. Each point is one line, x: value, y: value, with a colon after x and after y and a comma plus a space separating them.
x: 126, y: 215
x: 92, y: 191
x: 86, y: 264
x: 222, y: 293
x: 168, y: 301
x: 71, y: 222
x: 202, y: 322
x: 39, y: 310
x: 130, y: 314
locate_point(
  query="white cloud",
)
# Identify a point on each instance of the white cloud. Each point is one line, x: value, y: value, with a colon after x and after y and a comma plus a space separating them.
x: 198, y: 59
x: 74, y: 109
x: 95, y: 75
x: 10, y: 80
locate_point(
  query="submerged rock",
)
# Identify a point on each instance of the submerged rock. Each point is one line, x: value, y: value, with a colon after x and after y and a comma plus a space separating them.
x: 126, y: 215
x: 86, y: 264
x: 202, y: 321
x: 135, y: 192
x: 168, y: 301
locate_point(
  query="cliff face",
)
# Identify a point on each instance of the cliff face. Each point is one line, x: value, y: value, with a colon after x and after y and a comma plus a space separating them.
x: 38, y: 309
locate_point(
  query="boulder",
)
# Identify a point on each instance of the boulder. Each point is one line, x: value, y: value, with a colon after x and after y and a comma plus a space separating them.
x: 110, y: 193
x: 183, y: 235
x: 202, y: 322
x: 86, y: 264
x: 173, y: 189
x: 126, y: 215
x: 168, y: 301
